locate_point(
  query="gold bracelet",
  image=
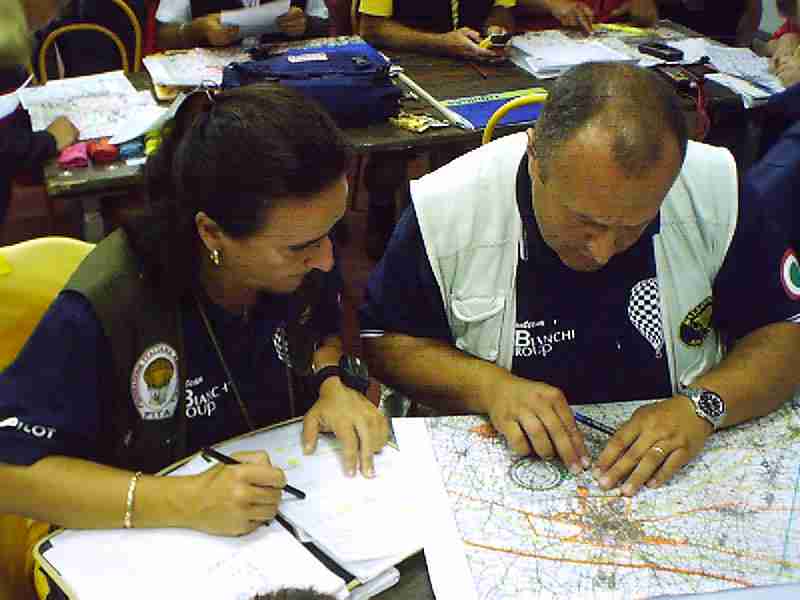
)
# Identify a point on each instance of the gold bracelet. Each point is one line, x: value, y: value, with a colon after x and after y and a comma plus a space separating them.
x: 128, y: 521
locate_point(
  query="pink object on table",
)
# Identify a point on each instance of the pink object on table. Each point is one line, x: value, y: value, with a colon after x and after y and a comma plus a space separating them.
x: 75, y: 156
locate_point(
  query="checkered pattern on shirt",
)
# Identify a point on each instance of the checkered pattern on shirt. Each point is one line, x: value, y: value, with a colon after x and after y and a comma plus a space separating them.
x: 644, y: 311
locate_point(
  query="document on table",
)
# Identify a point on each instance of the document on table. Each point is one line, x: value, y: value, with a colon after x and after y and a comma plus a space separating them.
x: 257, y: 20
x: 549, y: 53
x: 98, y: 105
x: 365, y: 525
x: 10, y: 101
x: 190, y: 68
x: 178, y: 563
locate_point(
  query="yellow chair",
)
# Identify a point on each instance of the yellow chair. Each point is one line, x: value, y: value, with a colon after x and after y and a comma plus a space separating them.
x: 534, y: 98
x: 31, y: 275
x: 126, y: 64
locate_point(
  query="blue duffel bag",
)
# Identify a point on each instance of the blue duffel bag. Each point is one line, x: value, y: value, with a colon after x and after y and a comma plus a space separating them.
x: 351, y: 80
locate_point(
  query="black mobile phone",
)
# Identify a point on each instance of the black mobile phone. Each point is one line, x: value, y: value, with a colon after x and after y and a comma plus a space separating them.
x: 661, y: 51
x: 498, y: 40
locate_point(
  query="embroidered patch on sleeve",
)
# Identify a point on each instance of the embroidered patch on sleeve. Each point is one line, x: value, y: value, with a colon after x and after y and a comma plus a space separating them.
x: 790, y: 274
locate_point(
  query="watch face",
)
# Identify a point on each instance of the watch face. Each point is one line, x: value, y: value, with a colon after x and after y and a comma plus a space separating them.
x: 711, y: 404
x: 355, y: 367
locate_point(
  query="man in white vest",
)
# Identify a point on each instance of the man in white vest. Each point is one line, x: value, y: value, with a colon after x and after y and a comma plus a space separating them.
x: 597, y: 257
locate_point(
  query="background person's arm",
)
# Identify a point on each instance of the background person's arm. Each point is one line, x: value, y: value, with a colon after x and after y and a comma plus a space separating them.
x: 387, y: 33
x: 202, y: 31
x: 15, y: 41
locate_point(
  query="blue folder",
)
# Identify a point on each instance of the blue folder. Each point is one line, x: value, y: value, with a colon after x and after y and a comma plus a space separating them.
x: 479, y: 109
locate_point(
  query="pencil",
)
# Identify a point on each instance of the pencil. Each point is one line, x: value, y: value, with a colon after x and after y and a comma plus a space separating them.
x: 480, y: 71
x: 227, y: 460
x: 590, y: 422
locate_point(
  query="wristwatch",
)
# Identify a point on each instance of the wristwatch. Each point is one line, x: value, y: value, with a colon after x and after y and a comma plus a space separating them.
x: 351, y: 370
x: 707, y: 404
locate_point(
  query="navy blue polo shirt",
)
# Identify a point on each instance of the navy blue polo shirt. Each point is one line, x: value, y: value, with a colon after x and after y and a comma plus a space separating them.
x: 53, y: 398
x: 597, y: 336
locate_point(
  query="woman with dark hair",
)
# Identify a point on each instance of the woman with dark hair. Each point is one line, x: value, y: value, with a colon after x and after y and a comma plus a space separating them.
x: 176, y: 332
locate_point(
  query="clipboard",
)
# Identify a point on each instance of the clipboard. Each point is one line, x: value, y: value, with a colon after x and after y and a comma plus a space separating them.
x: 386, y: 577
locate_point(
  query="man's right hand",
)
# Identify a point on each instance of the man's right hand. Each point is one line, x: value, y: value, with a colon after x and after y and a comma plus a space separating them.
x: 572, y: 13
x: 64, y: 132
x: 214, y: 32
x: 535, y: 417
x: 235, y: 499
x: 785, y: 47
x: 464, y: 43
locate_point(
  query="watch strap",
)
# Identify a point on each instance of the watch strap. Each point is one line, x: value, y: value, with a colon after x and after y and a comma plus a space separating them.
x: 323, y: 374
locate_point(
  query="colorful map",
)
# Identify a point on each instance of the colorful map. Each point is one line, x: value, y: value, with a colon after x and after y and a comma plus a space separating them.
x: 532, y: 530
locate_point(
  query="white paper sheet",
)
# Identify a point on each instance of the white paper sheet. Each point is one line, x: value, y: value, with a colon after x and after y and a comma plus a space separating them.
x: 257, y: 20
x: 444, y: 551
x: 366, y: 525
x: 9, y: 102
x: 178, y: 563
x: 98, y: 105
x: 192, y: 67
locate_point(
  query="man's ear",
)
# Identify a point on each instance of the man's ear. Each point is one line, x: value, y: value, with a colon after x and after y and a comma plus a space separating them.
x: 209, y: 231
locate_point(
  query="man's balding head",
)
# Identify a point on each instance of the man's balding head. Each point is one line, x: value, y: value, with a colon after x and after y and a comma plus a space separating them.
x: 638, y: 109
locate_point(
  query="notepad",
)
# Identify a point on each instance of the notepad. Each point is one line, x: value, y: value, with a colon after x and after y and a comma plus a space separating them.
x: 365, y: 526
x: 548, y: 54
x: 178, y: 563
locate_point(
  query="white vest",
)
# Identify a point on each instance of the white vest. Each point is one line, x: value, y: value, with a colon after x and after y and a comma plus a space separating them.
x: 470, y: 224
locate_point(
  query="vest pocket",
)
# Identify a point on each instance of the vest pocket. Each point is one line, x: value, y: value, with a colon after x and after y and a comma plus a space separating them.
x: 477, y: 324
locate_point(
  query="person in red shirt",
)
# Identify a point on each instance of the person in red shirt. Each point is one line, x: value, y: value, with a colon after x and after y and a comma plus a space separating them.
x: 783, y: 46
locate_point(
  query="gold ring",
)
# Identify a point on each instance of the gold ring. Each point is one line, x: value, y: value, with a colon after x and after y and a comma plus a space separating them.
x: 659, y: 449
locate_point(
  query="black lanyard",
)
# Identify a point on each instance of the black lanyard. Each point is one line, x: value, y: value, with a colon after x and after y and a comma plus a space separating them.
x: 531, y: 238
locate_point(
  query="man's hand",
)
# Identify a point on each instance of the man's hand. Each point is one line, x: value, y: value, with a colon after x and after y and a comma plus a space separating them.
x: 641, y: 12
x: 64, y: 132
x: 359, y: 425
x: 531, y: 413
x: 293, y: 23
x: 647, y: 450
x: 235, y: 499
x: 214, y: 32
x: 572, y: 13
x: 464, y: 43
x: 788, y: 70
x: 784, y: 49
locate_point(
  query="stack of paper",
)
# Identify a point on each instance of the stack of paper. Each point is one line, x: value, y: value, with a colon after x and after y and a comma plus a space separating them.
x: 98, y: 105
x: 547, y: 54
x: 191, y: 68
x: 177, y: 563
x: 365, y: 525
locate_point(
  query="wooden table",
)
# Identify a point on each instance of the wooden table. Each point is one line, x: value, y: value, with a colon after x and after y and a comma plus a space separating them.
x: 441, y: 76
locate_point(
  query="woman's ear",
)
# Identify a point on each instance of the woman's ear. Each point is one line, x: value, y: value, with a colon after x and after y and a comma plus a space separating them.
x: 209, y: 231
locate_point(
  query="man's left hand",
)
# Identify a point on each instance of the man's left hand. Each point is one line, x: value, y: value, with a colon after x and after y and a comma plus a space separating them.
x: 293, y: 23
x: 652, y: 445
x: 356, y: 422
x: 641, y: 12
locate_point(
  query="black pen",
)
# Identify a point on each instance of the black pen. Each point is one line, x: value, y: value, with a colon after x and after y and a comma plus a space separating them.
x: 590, y: 422
x: 227, y: 460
